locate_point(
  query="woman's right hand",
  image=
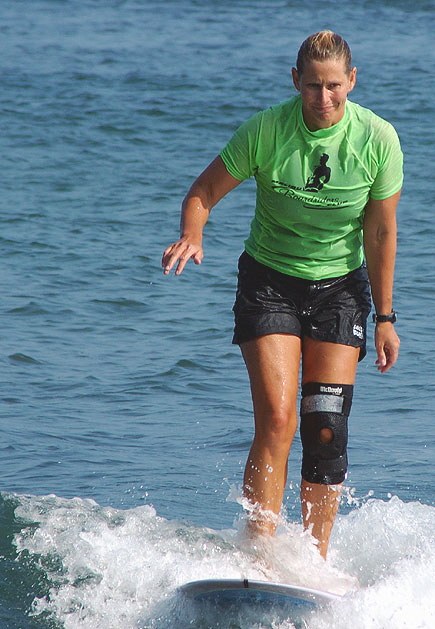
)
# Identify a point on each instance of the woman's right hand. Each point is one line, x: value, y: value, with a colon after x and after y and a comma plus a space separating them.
x: 214, y: 183
x: 181, y: 252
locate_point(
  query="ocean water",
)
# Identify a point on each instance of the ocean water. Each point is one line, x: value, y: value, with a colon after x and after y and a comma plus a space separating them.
x: 125, y: 414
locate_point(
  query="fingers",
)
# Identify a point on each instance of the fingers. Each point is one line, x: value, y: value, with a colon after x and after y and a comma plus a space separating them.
x: 383, y: 364
x: 387, y: 346
x: 179, y: 253
x: 386, y: 359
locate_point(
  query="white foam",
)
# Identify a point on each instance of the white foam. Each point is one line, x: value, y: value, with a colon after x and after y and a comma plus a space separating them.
x: 121, y: 568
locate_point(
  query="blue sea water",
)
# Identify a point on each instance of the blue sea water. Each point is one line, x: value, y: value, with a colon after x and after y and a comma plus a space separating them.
x: 125, y: 412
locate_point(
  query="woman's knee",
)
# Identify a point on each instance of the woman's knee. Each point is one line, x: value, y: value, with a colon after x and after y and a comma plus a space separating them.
x: 276, y: 427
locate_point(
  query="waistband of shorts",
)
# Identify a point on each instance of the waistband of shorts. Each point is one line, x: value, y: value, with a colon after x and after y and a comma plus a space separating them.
x: 325, y: 282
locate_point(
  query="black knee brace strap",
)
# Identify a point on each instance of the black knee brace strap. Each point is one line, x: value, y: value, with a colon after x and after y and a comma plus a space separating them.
x: 324, y: 412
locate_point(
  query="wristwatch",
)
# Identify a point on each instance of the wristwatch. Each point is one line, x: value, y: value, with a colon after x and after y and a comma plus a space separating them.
x: 378, y: 318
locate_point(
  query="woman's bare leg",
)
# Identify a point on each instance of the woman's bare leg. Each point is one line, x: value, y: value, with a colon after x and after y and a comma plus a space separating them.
x: 273, y: 366
x: 319, y: 505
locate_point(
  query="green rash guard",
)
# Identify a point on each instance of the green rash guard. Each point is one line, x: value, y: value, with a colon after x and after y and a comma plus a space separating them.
x: 313, y: 186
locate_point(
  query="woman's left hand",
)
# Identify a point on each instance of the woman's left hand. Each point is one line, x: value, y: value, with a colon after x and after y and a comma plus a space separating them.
x: 387, y: 345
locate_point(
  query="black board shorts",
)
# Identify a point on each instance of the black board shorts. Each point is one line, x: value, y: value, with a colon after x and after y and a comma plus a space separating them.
x: 333, y: 310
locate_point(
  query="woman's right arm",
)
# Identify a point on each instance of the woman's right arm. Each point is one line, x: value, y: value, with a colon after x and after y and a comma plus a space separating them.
x: 213, y: 184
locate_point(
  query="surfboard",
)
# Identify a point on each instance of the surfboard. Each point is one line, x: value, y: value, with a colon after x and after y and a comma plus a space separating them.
x: 294, y: 601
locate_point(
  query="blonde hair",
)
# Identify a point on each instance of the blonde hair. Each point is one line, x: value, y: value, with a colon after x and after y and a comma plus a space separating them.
x: 321, y: 46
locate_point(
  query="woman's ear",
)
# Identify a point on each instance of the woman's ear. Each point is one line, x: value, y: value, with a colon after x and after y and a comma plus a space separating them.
x: 352, y: 78
x: 295, y: 76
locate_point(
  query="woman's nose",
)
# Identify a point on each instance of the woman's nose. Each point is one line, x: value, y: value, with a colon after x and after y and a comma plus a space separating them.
x: 323, y: 95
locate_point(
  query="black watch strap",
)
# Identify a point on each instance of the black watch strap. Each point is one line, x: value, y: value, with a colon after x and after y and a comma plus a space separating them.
x: 379, y: 318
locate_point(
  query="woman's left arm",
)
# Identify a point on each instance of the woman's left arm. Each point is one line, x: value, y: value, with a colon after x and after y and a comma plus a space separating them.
x: 380, y: 237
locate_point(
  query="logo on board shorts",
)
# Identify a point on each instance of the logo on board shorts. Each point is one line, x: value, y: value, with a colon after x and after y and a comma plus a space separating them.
x: 358, y: 331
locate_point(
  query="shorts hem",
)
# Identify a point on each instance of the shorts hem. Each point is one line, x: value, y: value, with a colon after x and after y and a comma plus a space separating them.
x: 249, y: 328
x: 239, y: 338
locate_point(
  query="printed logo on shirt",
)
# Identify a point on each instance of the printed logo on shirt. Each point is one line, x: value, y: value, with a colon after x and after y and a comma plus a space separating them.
x: 309, y: 201
x: 320, y: 176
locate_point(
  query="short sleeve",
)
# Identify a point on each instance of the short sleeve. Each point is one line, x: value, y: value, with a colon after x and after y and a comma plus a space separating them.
x: 389, y: 157
x: 239, y: 155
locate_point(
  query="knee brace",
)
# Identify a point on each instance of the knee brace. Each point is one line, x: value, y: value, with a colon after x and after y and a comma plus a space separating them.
x: 325, y: 409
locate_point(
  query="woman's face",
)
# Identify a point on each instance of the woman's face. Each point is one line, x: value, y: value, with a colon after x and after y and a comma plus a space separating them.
x: 324, y: 86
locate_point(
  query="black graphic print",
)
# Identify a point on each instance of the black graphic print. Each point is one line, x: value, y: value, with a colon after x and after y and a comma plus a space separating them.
x: 321, y: 172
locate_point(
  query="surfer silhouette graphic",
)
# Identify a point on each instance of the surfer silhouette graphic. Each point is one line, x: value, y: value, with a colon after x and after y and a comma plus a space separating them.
x: 321, y: 171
